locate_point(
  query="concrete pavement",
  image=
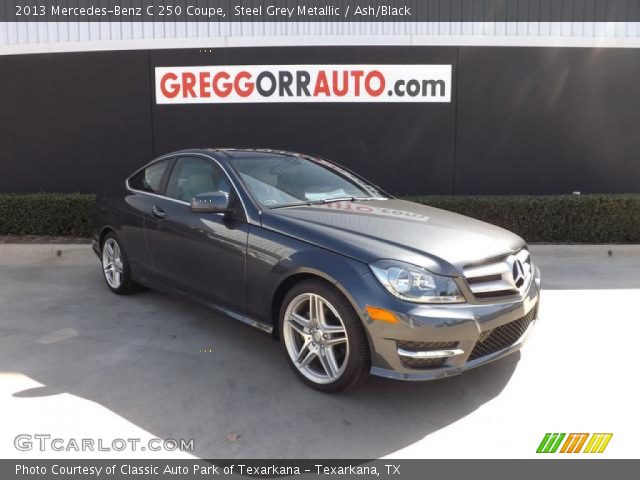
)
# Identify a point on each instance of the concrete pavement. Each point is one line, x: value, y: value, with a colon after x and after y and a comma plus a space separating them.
x: 78, y: 362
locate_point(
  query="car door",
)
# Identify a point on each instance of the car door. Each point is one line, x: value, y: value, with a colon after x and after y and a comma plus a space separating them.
x: 201, y: 253
x: 143, y: 188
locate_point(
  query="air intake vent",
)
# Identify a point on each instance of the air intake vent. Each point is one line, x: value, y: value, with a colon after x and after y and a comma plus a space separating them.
x: 421, y: 347
x: 503, y: 336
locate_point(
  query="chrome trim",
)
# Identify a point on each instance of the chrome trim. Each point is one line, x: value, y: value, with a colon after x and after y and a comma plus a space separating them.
x: 486, y: 270
x: 504, y: 268
x: 157, y: 212
x: 155, y: 195
x: 243, y: 318
x: 488, y: 287
x: 147, y: 165
x: 178, y: 154
x: 452, y: 371
x: 430, y: 353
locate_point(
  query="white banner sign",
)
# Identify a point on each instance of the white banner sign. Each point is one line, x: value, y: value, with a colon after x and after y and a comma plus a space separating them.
x: 303, y: 83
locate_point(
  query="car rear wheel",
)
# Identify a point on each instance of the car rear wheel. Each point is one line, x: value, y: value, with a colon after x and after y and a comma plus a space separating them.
x: 115, y: 267
x: 322, y: 337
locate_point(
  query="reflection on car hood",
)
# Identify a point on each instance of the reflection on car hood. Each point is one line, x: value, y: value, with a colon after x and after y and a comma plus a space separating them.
x: 441, y: 241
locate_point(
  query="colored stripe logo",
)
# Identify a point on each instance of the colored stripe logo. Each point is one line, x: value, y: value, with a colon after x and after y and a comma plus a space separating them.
x: 574, y: 443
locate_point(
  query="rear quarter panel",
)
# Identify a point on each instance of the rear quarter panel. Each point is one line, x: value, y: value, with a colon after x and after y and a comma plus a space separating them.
x: 124, y: 212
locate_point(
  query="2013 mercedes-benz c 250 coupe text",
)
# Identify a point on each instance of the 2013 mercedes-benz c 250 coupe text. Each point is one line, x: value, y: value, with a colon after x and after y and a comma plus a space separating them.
x: 349, y: 279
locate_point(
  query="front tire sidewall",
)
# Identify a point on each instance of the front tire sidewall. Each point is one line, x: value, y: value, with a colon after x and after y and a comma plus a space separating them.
x: 358, y: 358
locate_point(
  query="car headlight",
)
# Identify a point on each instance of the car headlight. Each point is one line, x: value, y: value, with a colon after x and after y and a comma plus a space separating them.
x: 415, y: 284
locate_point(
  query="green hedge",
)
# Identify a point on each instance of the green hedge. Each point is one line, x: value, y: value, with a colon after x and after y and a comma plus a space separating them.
x: 549, y: 219
x: 553, y: 219
x: 55, y: 214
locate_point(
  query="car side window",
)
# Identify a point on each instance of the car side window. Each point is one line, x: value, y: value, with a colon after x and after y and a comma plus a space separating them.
x: 192, y: 176
x: 149, y: 179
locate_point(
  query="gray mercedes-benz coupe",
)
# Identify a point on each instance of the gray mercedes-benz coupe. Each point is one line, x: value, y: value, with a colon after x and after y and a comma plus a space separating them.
x: 350, y: 280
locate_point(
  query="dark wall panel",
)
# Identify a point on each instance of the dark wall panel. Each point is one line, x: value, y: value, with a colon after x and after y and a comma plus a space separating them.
x: 72, y: 121
x: 402, y: 147
x: 522, y: 120
x: 548, y: 120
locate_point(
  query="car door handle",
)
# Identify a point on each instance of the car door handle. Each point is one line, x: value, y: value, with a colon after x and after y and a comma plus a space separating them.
x: 158, y: 212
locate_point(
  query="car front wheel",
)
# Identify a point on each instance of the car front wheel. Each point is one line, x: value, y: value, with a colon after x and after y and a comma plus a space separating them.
x: 323, y: 338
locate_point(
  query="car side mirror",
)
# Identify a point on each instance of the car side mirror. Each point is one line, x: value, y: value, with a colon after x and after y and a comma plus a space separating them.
x: 212, y: 202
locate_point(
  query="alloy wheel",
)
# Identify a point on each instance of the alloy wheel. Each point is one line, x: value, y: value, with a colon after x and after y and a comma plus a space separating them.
x: 316, y: 338
x: 112, y: 263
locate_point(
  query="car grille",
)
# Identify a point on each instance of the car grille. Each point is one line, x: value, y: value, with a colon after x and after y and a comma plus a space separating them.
x: 503, y: 336
x: 505, y: 277
x: 422, y: 346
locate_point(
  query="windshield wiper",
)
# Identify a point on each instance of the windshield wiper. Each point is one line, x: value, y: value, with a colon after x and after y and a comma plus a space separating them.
x: 353, y: 199
x: 347, y: 199
x: 325, y: 201
x: 337, y: 199
x: 317, y: 202
x: 286, y: 205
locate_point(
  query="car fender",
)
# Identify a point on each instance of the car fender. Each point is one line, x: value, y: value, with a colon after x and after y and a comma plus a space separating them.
x: 295, y: 261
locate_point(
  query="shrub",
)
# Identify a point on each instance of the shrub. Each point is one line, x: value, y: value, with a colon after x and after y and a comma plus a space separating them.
x: 56, y: 214
x: 538, y: 219
x: 553, y: 219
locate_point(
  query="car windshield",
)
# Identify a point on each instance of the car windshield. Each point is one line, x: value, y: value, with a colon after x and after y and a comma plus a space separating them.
x: 281, y: 181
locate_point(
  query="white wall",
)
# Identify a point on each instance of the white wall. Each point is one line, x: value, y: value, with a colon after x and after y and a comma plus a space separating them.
x: 35, y: 37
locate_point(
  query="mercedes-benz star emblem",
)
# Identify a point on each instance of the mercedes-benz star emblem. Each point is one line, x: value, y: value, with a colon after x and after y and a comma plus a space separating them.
x: 518, y: 273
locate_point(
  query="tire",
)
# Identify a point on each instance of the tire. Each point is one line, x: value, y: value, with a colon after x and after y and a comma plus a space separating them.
x: 114, y: 258
x: 329, y: 355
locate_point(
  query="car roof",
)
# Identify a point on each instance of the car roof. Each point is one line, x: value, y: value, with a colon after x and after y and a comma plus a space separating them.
x: 232, y: 153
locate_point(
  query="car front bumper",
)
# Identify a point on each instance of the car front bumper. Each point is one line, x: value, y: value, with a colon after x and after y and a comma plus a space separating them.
x: 436, y: 341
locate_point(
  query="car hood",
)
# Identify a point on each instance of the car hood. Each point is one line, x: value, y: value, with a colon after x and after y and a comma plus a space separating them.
x: 440, y: 241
